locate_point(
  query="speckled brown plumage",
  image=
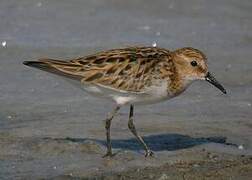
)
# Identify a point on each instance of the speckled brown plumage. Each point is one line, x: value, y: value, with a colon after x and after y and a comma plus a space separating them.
x: 128, y: 69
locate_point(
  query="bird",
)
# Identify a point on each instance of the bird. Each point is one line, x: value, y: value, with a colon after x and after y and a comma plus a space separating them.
x: 133, y: 75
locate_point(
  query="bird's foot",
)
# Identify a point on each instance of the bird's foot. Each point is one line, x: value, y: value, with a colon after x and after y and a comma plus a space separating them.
x: 108, y: 154
x: 149, y: 153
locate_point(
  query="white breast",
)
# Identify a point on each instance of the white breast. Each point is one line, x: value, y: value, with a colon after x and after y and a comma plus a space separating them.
x: 150, y: 95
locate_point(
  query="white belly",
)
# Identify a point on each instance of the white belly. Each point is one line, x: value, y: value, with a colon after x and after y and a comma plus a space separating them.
x: 151, y: 95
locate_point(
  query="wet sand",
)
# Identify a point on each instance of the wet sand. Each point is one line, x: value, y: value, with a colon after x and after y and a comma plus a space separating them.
x: 50, y: 129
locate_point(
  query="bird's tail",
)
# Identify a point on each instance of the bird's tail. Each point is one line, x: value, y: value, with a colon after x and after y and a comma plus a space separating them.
x: 61, y: 68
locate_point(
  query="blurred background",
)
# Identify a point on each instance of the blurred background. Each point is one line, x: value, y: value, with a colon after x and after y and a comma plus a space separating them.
x: 39, y: 113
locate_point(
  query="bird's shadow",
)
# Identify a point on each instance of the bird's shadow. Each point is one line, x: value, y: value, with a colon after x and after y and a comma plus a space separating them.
x: 160, y: 142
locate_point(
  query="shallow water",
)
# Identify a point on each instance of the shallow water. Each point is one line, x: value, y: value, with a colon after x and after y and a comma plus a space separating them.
x: 50, y: 128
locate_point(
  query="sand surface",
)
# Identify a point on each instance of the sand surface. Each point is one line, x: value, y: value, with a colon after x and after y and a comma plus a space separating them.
x: 50, y: 129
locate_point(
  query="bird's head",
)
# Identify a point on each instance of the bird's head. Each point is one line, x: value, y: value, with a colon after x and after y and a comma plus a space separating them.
x: 191, y: 64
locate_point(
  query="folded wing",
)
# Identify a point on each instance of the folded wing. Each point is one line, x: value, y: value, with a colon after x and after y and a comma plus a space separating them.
x: 129, y: 69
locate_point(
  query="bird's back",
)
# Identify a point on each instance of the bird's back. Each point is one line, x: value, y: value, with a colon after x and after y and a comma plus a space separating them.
x: 129, y: 69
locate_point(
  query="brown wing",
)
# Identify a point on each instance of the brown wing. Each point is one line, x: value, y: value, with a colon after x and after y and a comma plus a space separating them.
x: 127, y: 69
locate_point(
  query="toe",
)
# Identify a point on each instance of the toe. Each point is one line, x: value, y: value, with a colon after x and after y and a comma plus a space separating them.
x: 108, y: 154
x: 149, y: 153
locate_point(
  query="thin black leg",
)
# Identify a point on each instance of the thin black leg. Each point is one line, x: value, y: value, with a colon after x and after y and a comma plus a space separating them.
x: 132, y: 128
x: 107, y: 127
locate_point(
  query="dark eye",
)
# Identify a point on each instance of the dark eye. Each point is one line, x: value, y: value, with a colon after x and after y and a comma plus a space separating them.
x: 194, y: 63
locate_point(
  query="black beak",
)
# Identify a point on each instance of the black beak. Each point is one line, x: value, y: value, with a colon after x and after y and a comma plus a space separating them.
x: 214, y: 82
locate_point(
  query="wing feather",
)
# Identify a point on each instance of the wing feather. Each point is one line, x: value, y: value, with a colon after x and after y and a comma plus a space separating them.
x: 128, y: 69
